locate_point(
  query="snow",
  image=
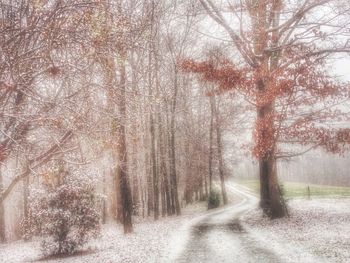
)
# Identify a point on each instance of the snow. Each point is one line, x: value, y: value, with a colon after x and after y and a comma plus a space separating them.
x: 152, y: 241
x: 317, y: 231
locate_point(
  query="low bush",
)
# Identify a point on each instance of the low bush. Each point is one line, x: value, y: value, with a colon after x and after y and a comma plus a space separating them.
x: 65, y: 216
x: 214, y: 198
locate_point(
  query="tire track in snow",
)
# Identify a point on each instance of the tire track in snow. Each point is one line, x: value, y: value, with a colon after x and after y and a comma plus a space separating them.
x: 219, y: 236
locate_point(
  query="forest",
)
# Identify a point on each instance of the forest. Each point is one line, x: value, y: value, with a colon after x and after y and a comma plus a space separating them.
x: 174, y: 130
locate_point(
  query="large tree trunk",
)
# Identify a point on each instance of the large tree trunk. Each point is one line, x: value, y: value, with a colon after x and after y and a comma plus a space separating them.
x: 264, y: 184
x: 271, y: 200
x: 110, y: 79
x: 125, y: 190
x: 277, y: 205
x: 122, y: 185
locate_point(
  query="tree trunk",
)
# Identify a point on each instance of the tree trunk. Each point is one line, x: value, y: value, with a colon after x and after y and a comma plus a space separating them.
x: 169, y: 153
x: 219, y: 145
x: 25, y: 205
x: 125, y: 190
x: 153, y: 139
x: 135, y: 145
x: 173, y: 175
x: 118, y: 198
x: 136, y: 193
x: 221, y: 173
x: 113, y: 206
x: 277, y: 205
x: 2, y: 214
x: 264, y: 184
x: 162, y: 196
x: 154, y: 172
x: 104, y: 203
x: 167, y: 193
x: 143, y: 202
x: 211, y: 132
x: 201, y: 188
x: 163, y: 166
x: 205, y: 183
x: 150, y: 202
x: 271, y: 200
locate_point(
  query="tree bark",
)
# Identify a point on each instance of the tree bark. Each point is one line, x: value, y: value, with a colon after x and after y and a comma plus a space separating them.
x: 154, y: 171
x: 205, y: 183
x: 135, y: 145
x: 153, y: 139
x: 173, y: 178
x: 125, y: 190
x: 211, y: 132
x: 271, y: 200
x: 104, y: 203
x: 163, y: 166
x: 25, y: 203
x: 118, y: 199
x: 150, y: 202
x: 220, y: 157
x: 2, y: 214
x: 122, y: 184
x: 135, y: 192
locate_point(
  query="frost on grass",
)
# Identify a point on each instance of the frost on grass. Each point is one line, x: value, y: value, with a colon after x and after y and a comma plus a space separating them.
x: 317, y: 231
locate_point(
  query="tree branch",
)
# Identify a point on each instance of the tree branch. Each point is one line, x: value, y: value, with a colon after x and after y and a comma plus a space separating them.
x: 35, y: 163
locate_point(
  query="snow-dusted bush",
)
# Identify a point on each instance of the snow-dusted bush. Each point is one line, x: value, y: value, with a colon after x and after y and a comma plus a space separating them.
x: 214, y: 198
x: 66, y: 216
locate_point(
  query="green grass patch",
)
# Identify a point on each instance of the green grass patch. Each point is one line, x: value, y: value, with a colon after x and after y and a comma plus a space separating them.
x: 293, y: 189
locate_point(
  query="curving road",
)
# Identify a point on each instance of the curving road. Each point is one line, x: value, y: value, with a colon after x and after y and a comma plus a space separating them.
x: 220, y: 237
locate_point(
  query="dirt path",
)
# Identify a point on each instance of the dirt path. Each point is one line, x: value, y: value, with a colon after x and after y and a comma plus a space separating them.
x: 219, y: 236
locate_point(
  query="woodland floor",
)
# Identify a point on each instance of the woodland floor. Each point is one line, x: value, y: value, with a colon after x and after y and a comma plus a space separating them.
x: 317, y: 231
x: 149, y: 243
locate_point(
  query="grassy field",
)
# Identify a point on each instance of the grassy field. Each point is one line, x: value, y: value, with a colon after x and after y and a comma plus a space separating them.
x: 293, y: 189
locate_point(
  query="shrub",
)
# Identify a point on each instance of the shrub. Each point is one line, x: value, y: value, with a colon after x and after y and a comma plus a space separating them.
x: 214, y: 198
x: 65, y: 216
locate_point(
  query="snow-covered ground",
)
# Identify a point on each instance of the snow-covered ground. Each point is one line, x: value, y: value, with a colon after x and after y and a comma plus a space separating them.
x: 317, y: 231
x: 150, y: 242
